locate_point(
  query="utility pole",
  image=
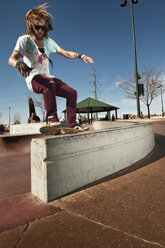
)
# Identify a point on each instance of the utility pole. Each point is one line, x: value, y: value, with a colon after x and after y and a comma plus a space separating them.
x: 95, y: 88
x: 94, y: 83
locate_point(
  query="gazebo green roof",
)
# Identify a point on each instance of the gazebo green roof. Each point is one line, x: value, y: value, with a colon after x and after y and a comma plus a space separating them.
x: 92, y: 105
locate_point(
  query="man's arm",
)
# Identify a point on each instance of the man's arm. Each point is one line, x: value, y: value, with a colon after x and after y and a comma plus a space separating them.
x: 14, y: 58
x: 23, y: 69
x: 73, y: 55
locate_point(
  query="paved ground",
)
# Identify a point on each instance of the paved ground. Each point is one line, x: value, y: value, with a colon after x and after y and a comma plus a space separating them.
x: 127, y: 210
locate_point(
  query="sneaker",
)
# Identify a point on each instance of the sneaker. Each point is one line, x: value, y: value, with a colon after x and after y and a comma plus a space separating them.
x: 53, y: 121
x: 81, y: 128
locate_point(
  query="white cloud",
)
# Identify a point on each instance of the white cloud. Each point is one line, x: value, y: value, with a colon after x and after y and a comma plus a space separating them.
x: 118, y: 83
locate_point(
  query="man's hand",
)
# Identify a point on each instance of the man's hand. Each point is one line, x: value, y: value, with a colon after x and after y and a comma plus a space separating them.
x: 87, y: 59
x: 23, y: 68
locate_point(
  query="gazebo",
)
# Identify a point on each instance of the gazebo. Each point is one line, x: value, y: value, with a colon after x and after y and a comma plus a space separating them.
x: 90, y: 106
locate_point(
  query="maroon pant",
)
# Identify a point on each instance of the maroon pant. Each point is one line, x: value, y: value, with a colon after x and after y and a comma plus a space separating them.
x: 52, y: 87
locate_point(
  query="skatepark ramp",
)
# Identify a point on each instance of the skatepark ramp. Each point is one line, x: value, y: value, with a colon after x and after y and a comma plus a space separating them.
x: 64, y: 163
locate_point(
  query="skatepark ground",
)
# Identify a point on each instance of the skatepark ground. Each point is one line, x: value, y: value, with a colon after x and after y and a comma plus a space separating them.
x: 124, y: 210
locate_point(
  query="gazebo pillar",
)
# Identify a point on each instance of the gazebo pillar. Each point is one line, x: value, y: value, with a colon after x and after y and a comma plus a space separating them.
x: 88, y: 116
x: 109, y: 115
x: 116, y: 113
x: 91, y: 116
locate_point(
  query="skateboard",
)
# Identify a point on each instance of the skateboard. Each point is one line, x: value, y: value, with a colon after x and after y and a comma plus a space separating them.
x: 52, y: 130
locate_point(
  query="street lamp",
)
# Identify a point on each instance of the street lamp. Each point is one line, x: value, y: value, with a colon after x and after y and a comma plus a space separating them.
x: 161, y: 100
x: 123, y: 4
x: 9, y: 116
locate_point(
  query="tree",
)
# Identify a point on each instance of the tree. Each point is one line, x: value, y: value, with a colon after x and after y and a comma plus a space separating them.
x: 151, y: 78
x: 38, y: 102
x: 1, y: 128
x: 0, y: 115
x: 17, y: 119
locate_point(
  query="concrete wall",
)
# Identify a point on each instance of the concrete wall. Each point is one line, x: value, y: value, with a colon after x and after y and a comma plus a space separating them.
x: 29, y: 128
x: 61, y: 164
x: 98, y: 125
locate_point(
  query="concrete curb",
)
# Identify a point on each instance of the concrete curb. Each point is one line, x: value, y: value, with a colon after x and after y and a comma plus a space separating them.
x: 65, y: 163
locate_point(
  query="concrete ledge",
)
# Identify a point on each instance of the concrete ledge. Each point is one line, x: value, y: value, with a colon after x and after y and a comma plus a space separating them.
x: 99, y: 125
x: 29, y: 128
x: 61, y: 164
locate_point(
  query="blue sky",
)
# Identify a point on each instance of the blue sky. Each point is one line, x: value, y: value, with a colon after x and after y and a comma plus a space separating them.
x: 100, y: 29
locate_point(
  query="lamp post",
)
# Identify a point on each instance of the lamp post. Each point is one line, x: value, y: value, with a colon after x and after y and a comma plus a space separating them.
x: 9, y: 116
x: 161, y: 99
x: 137, y: 77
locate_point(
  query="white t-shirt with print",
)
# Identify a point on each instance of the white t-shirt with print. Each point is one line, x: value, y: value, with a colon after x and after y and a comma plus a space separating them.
x: 34, y: 58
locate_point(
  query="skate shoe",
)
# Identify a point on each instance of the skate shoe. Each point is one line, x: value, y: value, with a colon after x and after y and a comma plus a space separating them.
x: 52, y: 121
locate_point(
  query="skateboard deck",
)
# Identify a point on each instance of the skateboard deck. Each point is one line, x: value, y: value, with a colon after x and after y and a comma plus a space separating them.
x: 52, y: 130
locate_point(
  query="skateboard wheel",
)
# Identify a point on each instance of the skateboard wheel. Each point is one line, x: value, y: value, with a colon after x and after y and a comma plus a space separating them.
x: 62, y: 131
x: 56, y: 133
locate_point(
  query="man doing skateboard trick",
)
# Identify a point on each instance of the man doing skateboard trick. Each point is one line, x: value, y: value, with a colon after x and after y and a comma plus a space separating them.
x: 35, y: 47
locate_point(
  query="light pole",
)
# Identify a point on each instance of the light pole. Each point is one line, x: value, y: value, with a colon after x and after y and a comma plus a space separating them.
x: 161, y: 99
x: 137, y: 77
x: 9, y: 116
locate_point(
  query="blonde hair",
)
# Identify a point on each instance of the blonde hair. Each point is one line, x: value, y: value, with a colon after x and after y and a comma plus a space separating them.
x: 38, y: 13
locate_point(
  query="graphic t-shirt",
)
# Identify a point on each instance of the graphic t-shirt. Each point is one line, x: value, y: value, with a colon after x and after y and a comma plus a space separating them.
x: 35, y: 59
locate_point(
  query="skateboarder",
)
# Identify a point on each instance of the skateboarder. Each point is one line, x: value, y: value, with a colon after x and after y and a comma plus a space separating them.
x: 35, y: 47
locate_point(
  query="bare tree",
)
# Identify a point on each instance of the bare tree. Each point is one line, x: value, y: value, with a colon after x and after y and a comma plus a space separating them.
x: 39, y: 103
x: 0, y: 115
x: 17, y: 119
x: 151, y: 78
